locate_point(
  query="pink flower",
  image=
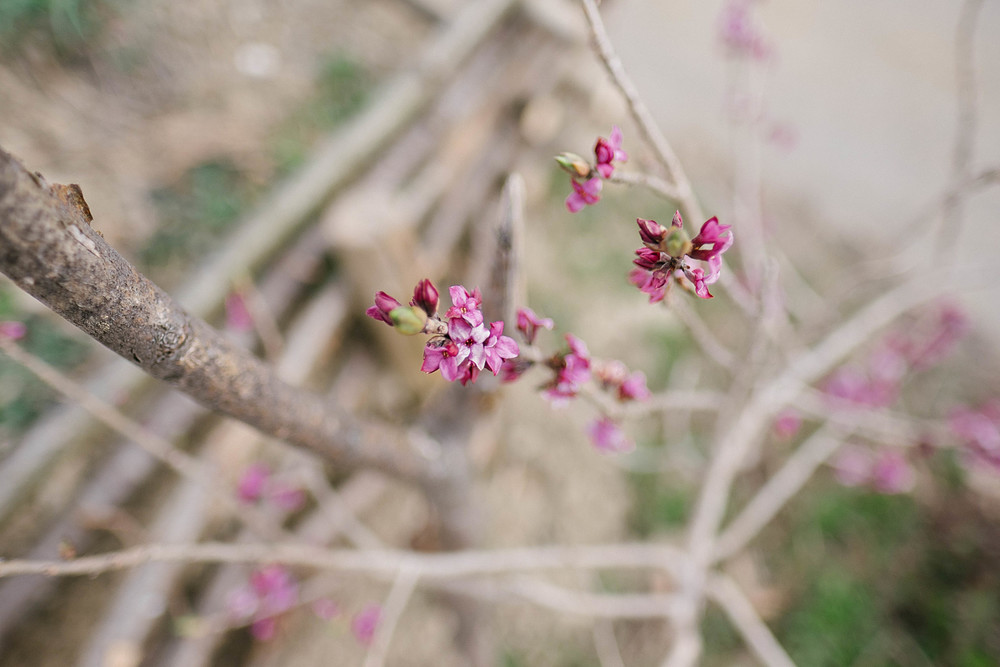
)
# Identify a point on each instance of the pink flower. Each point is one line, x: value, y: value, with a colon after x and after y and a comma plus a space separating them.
x: 585, y: 194
x: 469, y: 339
x: 651, y: 232
x: 465, y: 305
x: 891, y: 473
x: 528, y: 324
x: 608, y: 151
x: 287, y: 498
x: 572, y: 371
x: 365, y: 623
x: 442, y: 354
x: 787, y: 424
x: 384, y: 304
x: 853, y: 466
x: 251, y: 484
x: 738, y: 32
x: 325, y: 608
x: 634, y: 388
x: 238, y: 316
x: 272, y: 591
x: 498, y: 348
x: 12, y: 330
x: 514, y: 369
x: 669, y: 252
x: 608, y: 437
x: 979, y: 431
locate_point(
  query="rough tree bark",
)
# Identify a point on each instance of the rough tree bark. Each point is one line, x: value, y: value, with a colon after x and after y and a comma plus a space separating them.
x: 49, y: 249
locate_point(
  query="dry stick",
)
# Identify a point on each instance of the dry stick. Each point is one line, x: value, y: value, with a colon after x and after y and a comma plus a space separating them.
x: 744, y: 617
x: 131, y: 465
x: 965, y: 131
x: 605, y: 643
x: 779, y: 489
x: 754, y: 419
x: 399, y: 595
x: 121, y: 626
x: 184, y: 464
x: 432, y: 566
x: 52, y: 252
x: 280, y: 216
x: 657, y: 185
x: 676, y: 176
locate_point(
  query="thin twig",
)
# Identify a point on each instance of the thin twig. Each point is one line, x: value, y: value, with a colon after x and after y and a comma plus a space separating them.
x: 749, y: 624
x: 779, y: 489
x: 184, y: 464
x: 702, y: 334
x: 399, y: 596
x: 657, y: 185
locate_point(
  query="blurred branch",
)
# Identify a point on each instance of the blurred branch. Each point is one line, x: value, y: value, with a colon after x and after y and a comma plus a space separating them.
x: 399, y: 596
x: 50, y: 250
x: 432, y: 566
x: 749, y: 624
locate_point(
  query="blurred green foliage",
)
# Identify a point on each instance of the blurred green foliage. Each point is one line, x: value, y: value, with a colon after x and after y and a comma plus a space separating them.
x: 195, y: 212
x: 342, y: 88
x: 23, y: 397
x: 65, y: 26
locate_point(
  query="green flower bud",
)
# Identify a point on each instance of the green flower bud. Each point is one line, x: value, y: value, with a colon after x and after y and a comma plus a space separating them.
x: 677, y: 243
x: 408, y: 320
x: 574, y: 165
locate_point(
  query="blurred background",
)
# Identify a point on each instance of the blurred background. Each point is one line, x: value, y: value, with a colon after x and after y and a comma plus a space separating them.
x: 182, y: 121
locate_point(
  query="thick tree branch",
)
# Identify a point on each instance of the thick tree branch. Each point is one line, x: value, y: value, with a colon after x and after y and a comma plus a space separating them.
x: 49, y: 249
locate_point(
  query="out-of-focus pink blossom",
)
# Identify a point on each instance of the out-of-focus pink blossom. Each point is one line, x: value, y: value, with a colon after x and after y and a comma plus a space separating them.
x: 252, y: 482
x: 365, y: 623
x: 609, y: 151
x: 286, y: 497
x: 12, y: 330
x: 979, y: 432
x: 326, y: 609
x: 891, y: 473
x: 271, y: 591
x: 608, y: 437
x: 787, y: 424
x: 738, y: 32
x: 851, y: 384
x: 528, y: 323
x: 853, y: 466
x: 238, y: 316
x: 634, y: 388
x: 584, y: 194
x: 572, y: 372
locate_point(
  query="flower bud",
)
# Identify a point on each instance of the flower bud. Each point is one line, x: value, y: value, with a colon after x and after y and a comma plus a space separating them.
x: 678, y: 243
x: 677, y: 221
x: 408, y: 320
x: 574, y: 165
x: 651, y: 232
x: 425, y: 296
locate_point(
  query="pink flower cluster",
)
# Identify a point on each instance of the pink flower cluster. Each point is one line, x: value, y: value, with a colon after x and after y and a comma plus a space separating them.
x: 979, y: 432
x: 571, y: 369
x: 272, y: 591
x: 739, y: 33
x: 460, y: 345
x: 668, y: 254
x: 257, y: 483
x: 586, y: 179
x: 886, y: 471
x: 923, y: 344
